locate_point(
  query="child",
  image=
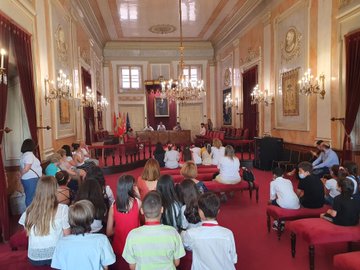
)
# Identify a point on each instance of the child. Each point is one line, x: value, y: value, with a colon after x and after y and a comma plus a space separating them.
x: 45, y: 222
x: 189, y: 171
x: 351, y: 169
x: 159, y: 154
x: 171, y: 215
x: 206, y: 155
x: 213, y: 246
x: 123, y: 216
x: 310, y: 189
x: 330, y: 184
x: 144, y: 240
x: 171, y: 158
x: 82, y: 250
x: 346, y: 210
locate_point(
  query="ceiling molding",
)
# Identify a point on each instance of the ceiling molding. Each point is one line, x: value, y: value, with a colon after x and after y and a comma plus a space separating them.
x: 107, y: 18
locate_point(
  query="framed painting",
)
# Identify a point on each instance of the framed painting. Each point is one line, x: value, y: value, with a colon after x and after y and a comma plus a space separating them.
x: 64, y: 110
x: 227, y: 110
x: 161, y: 107
x: 290, y: 92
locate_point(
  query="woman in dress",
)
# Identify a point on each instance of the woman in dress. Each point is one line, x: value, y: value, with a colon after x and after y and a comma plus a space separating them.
x: 30, y: 170
x: 148, y: 180
x: 170, y: 202
x: 45, y: 222
x: 229, y: 167
x: 123, y: 216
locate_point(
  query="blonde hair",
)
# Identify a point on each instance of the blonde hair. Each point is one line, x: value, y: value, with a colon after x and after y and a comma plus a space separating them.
x: 189, y: 170
x: 41, y: 212
x: 217, y: 143
x: 151, y: 170
x: 61, y: 152
x: 229, y: 152
x: 55, y: 158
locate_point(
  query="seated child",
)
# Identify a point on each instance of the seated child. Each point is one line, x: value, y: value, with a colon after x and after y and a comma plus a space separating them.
x: 330, y: 184
x: 213, y: 246
x: 82, y: 250
x: 171, y: 158
x: 345, y: 210
x: 166, y: 253
x: 310, y: 189
x: 206, y: 155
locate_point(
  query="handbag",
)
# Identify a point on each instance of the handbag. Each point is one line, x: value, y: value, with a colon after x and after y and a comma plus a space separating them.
x: 249, y: 177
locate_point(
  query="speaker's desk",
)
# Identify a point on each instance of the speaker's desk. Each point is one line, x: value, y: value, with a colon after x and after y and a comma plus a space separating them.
x: 182, y: 137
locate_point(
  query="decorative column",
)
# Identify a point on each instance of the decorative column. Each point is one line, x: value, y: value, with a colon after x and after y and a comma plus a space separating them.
x: 236, y: 82
x: 323, y: 114
x: 212, y: 93
x: 267, y: 72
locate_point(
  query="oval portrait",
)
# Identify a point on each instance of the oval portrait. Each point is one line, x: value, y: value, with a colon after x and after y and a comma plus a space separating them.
x: 291, y: 40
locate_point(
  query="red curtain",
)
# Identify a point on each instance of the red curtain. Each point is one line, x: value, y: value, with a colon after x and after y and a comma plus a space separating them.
x: 88, y: 111
x: 4, y: 209
x: 352, y: 45
x: 250, y: 111
x: 170, y: 121
x: 23, y: 58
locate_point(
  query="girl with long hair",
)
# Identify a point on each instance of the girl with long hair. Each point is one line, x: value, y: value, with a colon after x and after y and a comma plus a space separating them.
x: 149, y: 177
x: 229, y: 167
x: 189, y: 171
x: 159, y: 154
x: 45, y: 222
x: 217, y: 151
x: 189, y: 195
x: 90, y: 190
x: 64, y: 194
x: 123, y: 216
x: 170, y: 202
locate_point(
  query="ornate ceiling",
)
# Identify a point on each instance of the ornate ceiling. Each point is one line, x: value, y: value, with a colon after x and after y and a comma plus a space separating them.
x: 158, y: 20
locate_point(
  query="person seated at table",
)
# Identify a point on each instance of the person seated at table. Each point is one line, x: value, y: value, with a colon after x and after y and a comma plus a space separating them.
x: 229, y: 167
x: 325, y: 161
x: 161, y: 127
x: 310, y: 189
x: 149, y: 177
x: 345, y: 210
x: 202, y: 129
x: 148, y: 128
x: 159, y: 154
x: 330, y: 184
x: 189, y: 171
x: 171, y: 158
x: 177, y: 127
x: 131, y: 133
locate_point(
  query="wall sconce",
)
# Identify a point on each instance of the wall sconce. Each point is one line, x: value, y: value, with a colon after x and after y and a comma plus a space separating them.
x: 310, y: 85
x: 61, y: 89
x: 102, y: 104
x: 3, y: 76
x: 261, y: 96
x: 229, y: 102
x: 86, y: 100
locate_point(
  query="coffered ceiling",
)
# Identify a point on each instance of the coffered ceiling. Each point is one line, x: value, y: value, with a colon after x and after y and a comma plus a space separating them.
x: 158, y: 20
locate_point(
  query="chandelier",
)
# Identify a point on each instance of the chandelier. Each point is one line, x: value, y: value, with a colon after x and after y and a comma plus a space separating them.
x: 86, y: 100
x: 260, y: 96
x: 102, y: 104
x: 310, y: 85
x: 62, y: 88
x: 230, y: 103
x: 3, y: 76
x: 183, y: 89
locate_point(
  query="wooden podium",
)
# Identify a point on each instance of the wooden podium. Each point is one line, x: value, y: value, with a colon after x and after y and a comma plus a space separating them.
x: 182, y: 137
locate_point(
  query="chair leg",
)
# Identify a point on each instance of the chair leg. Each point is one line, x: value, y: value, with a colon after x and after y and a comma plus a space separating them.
x: 268, y: 222
x: 350, y: 247
x: 279, y: 232
x: 312, y: 257
x: 293, y: 244
x: 257, y: 195
x: 250, y: 193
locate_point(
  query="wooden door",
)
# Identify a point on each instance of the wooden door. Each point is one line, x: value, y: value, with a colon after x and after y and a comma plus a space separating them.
x: 190, y: 117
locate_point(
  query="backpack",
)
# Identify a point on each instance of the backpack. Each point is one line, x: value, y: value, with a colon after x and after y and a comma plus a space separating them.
x: 248, y: 176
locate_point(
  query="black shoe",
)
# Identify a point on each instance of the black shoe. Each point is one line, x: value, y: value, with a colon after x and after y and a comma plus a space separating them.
x: 223, y: 198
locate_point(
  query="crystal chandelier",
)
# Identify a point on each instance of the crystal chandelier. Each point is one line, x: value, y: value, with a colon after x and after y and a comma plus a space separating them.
x: 102, y: 104
x: 310, y: 85
x: 260, y: 96
x: 62, y: 88
x: 183, y: 89
x: 86, y: 100
x: 3, y: 77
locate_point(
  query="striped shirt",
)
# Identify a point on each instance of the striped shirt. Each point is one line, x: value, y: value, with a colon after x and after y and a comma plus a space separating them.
x: 153, y: 247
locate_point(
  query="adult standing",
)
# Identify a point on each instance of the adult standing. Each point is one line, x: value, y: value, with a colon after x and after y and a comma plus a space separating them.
x: 30, y: 170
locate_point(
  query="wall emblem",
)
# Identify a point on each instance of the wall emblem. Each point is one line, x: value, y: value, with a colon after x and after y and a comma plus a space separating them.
x: 290, y: 47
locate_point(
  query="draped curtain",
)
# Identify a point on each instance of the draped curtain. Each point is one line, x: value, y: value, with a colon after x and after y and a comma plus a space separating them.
x: 250, y: 111
x: 352, y: 46
x: 4, y: 209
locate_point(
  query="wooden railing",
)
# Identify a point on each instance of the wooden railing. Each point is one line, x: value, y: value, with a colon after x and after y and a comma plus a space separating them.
x: 121, y: 157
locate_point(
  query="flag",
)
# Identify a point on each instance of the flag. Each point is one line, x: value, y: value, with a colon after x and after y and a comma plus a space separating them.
x: 128, y: 126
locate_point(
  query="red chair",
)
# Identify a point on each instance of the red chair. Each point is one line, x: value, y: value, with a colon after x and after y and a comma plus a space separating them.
x: 281, y: 214
x: 18, y: 260
x: 238, y: 133
x: 242, y: 186
x: 19, y: 241
x: 246, y: 134
x: 347, y: 261
x: 316, y: 231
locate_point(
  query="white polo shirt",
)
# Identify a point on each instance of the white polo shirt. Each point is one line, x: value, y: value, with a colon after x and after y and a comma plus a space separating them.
x: 331, y: 185
x: 282, y: 190
x: 213, y: 247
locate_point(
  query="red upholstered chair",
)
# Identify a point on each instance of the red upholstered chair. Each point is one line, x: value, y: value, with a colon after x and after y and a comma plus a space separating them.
x: 221, y: 136
x: 238, y: 132
x: 243, y: 185
x: 19, y: 241
x: 281, y: 214
x: 316, y: 231
x: 186, y: 261
x: 233, y: 132
x: 246, y: 134
x: 347, y: 261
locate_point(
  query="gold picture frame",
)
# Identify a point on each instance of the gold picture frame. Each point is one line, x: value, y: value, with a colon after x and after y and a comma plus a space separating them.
x: 161, y: 107
x: 64, y: 110
x: 290, y: 92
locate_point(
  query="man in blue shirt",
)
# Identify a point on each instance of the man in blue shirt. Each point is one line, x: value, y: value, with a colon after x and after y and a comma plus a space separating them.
x: 325, y: 161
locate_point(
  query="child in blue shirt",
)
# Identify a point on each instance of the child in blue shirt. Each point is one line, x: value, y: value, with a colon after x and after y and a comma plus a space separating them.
x: 82, y: 250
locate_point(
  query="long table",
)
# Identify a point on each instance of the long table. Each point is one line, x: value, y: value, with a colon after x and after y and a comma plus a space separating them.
x: 177, y: 137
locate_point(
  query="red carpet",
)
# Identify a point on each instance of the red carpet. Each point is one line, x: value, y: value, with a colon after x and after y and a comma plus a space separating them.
x: 256, y: 248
